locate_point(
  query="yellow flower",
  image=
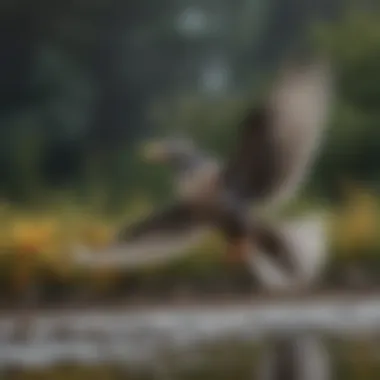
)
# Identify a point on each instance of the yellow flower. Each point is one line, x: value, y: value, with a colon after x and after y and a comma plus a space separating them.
x: 96, y: 234
x: 357, y: 226
x: 32, y: 236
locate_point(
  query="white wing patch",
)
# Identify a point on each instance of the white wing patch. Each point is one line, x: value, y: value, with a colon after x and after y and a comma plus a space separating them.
x: 301, y: 103
x: 307, y: 241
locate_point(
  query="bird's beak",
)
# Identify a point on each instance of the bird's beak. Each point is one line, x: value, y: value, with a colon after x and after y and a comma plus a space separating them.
x: 154, y: 151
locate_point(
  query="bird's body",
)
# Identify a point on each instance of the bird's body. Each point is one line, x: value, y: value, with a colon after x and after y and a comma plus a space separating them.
x: 200, y: 183
x: 276, y: 146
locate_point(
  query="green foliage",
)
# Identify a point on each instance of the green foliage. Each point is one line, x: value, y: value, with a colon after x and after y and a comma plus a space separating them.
x: 352, y: 147
x: 108, y: 72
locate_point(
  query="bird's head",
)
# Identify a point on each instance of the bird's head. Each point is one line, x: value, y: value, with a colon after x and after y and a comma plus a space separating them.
x: 167, y: 151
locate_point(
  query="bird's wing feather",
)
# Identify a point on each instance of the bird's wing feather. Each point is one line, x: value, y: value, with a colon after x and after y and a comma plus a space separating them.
x: 167, y: 221
x: 277, y: 140
x: 163, y: 236
x: 305, y: 241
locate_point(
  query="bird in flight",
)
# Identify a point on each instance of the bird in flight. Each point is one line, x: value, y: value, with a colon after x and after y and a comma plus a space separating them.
x: 275, y: 147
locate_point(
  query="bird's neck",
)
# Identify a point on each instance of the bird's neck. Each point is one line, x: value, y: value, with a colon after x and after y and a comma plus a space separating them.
x: 199, y: 182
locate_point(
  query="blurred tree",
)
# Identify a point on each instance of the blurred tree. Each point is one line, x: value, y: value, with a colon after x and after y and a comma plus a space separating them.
x: 79, y: 79
x: 352, y: 149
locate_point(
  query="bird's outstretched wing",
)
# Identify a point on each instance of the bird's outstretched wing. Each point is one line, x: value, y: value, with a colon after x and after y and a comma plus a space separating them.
x: 164, y: 235
x: 305, y: 241
x: 277, y: 140
x: 168, y: 221
x: 270, y: 240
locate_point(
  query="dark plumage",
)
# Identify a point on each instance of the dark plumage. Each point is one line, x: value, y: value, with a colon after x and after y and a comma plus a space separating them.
x: 275, y: 146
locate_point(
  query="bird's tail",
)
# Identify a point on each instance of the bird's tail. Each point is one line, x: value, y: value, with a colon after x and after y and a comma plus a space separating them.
x: 304, y: 244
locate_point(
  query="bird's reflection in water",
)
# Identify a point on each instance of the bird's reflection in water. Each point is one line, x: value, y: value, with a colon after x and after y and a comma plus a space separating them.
x: 297, y: 357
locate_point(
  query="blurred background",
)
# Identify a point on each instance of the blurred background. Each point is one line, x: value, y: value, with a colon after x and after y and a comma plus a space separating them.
x: 85, y: 82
